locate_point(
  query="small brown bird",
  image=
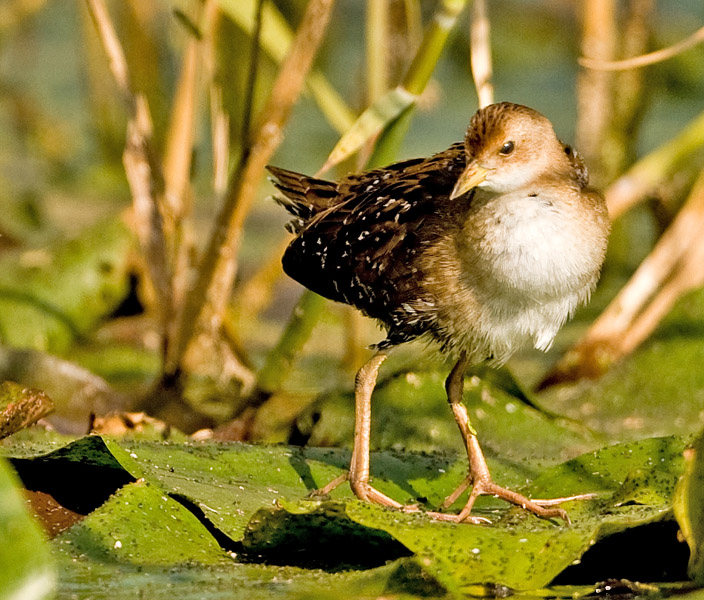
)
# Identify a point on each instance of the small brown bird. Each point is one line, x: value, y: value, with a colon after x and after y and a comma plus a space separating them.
x: 485, y: 248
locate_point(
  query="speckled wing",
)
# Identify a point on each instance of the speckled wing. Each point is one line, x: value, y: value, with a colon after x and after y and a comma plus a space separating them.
x: 361, y: 246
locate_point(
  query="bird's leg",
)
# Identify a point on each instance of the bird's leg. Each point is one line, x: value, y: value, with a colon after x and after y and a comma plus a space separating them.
x: 479, y: 477
x: 358, y: 475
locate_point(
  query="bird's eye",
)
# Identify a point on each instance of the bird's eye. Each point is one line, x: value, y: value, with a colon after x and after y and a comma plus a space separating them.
x: 568, y: 151
x: 507, y: 148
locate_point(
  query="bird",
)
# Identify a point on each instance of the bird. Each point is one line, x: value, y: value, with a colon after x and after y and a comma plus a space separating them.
x: 482, y: 249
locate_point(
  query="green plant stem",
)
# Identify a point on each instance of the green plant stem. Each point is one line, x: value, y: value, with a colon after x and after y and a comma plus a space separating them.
x: 279, y: 361
x: 417, y: 78
x: 386, y: 113
x: 431, y: 47
x: 252, y: 76
x: 276, y: 38
x: 377, y: 48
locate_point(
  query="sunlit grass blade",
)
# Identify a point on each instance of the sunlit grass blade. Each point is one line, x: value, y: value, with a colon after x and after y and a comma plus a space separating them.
x: 384, y: 115
x: 370, y: 124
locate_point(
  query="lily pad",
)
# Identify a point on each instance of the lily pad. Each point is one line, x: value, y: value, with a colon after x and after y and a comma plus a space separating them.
x: 689, y: 507
x: 517, y: 550
x: 254, y: 495
x: 26, y: 567
x: 610, y: 469
x: 229, y: 482
x: 80, y: 577
x: 629, y: 401
x: 141, y: 525
x: 49, y: 297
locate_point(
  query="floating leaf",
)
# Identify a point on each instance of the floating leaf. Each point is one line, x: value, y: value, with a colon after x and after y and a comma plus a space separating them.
x: 517, y: 550
x: 26, y: 568
x: 255, y: 496
x: 689, y: 507
x: 52, y: 296
x: 81, y: 577
x: 141, y: 525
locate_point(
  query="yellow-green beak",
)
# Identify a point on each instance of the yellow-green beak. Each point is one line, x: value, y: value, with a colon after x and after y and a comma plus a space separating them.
x: 471, y: 177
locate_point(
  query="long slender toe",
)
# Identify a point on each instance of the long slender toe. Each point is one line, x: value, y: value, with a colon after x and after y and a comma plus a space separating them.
x: 543, y: 511
x: 326, y: 489
x: 452, y: 498
x: 471, y: 519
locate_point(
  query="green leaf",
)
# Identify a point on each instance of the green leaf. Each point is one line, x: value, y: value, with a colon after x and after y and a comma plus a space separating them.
x: 655, y: 392
x: 65, y: 289
x: 90, y: 450
x: 81, y: 577
x: 689, y: 507
x: 517, y: 550
x: 608, y: 469
x: 26, y: 568
x: 375, y: 119
x: 238, y: 488
x: 141, y: 525
x: 228, y: 482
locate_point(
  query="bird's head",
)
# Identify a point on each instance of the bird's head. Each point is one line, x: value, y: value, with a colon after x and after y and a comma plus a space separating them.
x: 508, y: 146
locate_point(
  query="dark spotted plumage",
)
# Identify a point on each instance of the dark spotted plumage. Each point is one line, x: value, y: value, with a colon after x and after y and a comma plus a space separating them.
x: 359, y: 239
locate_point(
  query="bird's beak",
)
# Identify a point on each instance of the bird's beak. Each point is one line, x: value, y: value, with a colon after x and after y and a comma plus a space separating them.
x: 471, y: 177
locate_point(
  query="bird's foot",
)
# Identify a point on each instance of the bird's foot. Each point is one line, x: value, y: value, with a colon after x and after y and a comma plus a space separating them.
x: 364, y: 491
x: 545, y: 508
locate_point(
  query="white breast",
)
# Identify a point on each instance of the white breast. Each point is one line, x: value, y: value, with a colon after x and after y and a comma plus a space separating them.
x: 535, y: 248
x: 530, y: 269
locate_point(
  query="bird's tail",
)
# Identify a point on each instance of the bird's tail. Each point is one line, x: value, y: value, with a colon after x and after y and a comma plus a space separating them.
x: 302, y: 196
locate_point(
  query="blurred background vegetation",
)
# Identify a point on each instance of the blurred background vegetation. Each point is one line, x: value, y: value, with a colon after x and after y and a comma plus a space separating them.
x: 112, y: 301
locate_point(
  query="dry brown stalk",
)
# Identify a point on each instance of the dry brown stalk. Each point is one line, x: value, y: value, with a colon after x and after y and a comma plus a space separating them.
x: 219, y: 265
x: 142, y: 167
x: 480, y: 43
x: 594, y: 88
x: 629, y: 97
x: 644, y: 60
x: 179, y: 138
x: 177, y: 163
x: 220, y: 135
x: 672, y: 268
x: 219, y: 117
